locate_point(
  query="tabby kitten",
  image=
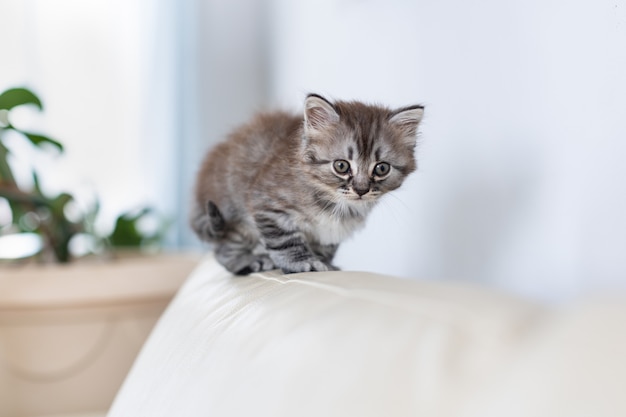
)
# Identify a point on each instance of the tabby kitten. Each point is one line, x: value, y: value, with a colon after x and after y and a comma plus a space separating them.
x: 284, y: 190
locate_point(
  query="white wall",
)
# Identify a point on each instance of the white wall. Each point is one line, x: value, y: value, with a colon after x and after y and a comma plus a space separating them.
x: 521, y: 178
x: 522, y: 181
x: 136, y: 90
x: 94, y: 66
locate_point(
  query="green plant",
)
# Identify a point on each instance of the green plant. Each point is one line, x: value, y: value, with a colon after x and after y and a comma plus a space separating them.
x: 33, y: 211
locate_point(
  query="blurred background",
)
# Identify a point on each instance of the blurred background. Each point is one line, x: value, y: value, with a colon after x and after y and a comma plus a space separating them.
x: 521, y: 180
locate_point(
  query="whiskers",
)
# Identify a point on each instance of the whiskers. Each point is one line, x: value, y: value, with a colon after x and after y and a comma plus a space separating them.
x: 399, y: 216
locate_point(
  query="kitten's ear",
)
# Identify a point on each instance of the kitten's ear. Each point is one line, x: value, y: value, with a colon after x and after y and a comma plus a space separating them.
x: 407, y: 119
x: 318, y: 113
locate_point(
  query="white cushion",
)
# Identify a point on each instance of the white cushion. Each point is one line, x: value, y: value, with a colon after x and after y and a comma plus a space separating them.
x: 360, y: 344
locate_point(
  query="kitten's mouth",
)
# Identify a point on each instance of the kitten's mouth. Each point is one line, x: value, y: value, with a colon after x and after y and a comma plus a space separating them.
x: 368, y: 197
x: 352, y: 195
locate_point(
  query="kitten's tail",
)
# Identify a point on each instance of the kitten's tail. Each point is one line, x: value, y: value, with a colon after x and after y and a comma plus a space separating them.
x: 208, y: 223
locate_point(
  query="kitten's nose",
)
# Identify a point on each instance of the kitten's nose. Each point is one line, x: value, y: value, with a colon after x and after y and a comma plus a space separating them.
x: 361, y: 191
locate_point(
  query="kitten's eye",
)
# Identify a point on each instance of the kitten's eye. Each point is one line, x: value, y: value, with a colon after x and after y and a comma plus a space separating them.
x: 341, y: 166
x: 381, y: 169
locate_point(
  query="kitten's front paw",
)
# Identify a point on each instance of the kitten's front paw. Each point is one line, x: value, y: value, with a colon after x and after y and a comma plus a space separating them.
x: 260, y: 264
x: 307, y: 266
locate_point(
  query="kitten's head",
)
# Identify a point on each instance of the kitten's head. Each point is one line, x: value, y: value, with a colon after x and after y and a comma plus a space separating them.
x: 355, y: 152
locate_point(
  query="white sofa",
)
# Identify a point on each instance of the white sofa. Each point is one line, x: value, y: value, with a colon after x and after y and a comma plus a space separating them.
x: 360, y: 344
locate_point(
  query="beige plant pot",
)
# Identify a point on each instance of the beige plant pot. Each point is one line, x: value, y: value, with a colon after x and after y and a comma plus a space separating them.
x: 69, y: 334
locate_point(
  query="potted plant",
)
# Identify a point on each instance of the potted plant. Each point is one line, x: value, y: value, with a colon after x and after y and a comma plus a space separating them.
x: 69, y: 331
x: 34, y: 212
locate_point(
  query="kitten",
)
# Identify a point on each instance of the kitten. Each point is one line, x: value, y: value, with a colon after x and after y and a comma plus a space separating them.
x: 285, y: 190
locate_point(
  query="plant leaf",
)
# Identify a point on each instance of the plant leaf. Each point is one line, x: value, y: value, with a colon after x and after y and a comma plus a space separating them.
x: 58, y: 203
x: 37, y: 185
x: 37, y: 140
x: 18, y: 96
x: 125, y: 233
x: 6, y: 174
